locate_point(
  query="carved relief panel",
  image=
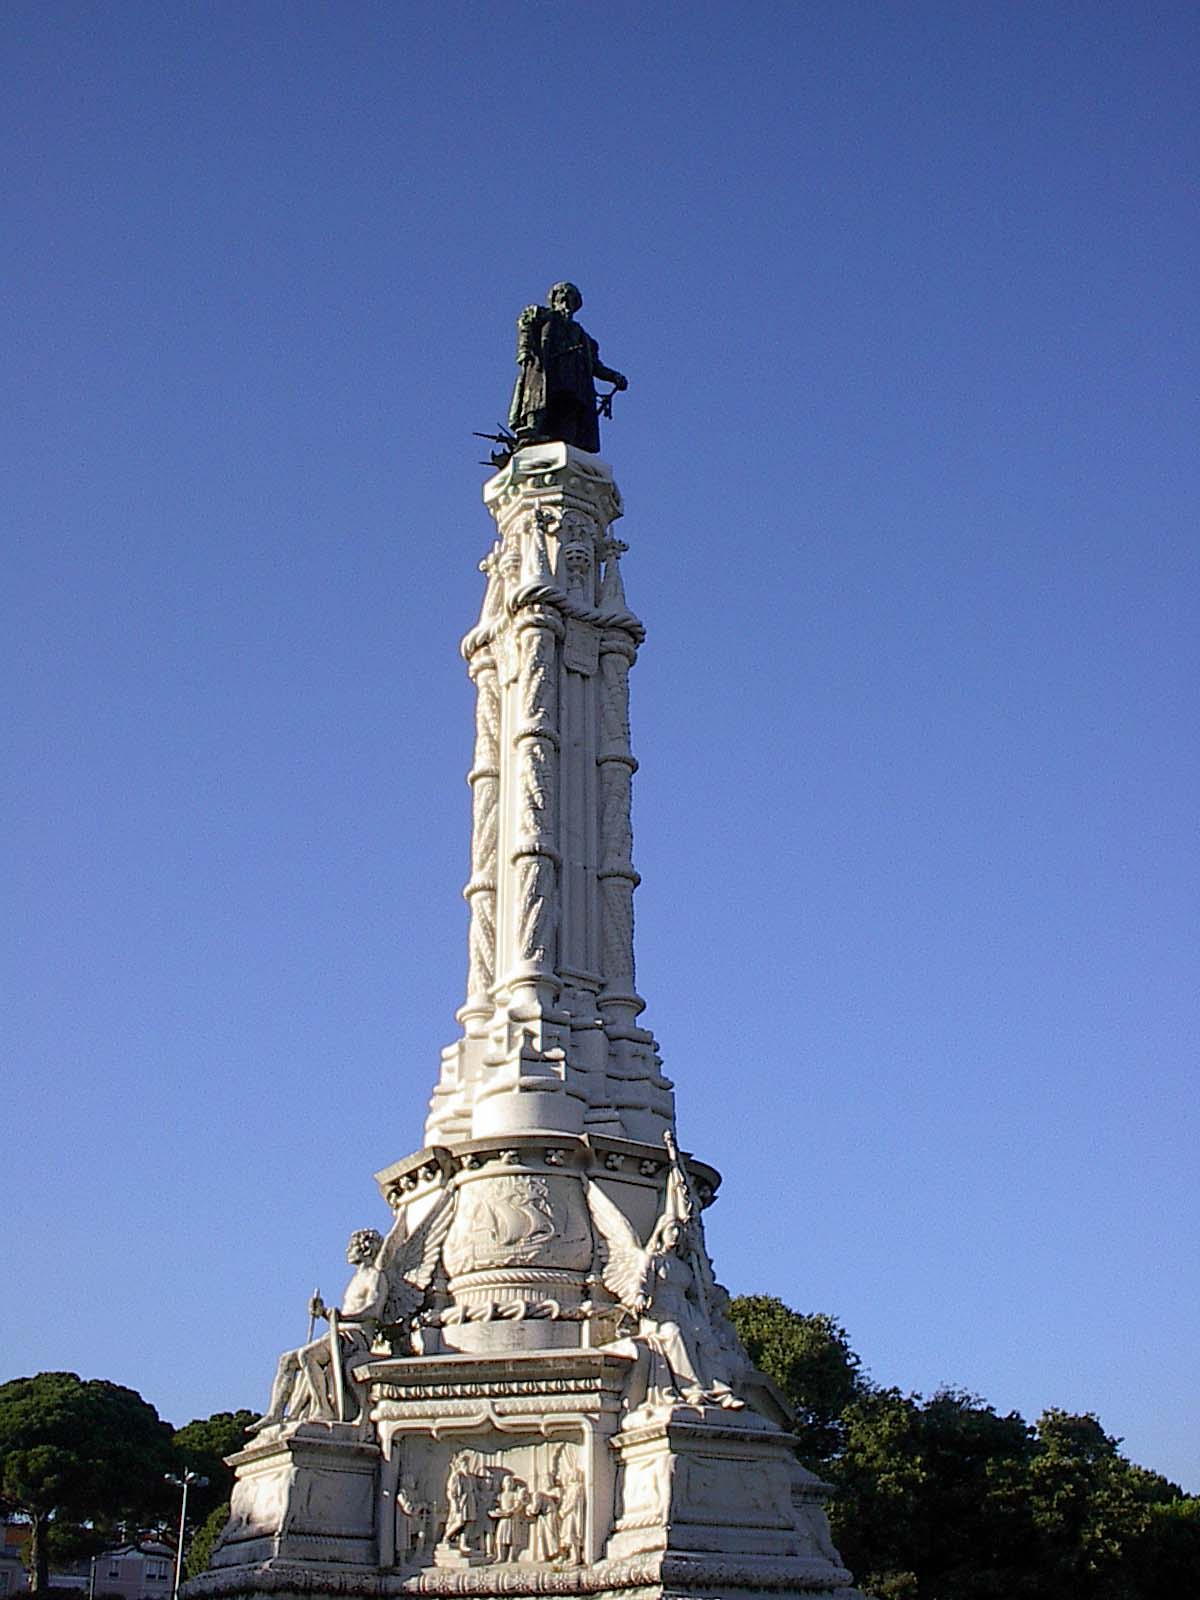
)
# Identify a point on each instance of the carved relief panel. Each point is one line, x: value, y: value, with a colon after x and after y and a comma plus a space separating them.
x: 519, y: 1219
x: 488, y: 1500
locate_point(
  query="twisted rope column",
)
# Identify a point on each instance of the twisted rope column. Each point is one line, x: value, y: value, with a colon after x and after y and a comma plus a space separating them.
x: 616, y: 874
x: 480, y: 891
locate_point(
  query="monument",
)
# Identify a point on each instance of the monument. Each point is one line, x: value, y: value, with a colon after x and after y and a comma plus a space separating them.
x: 532, y: 1386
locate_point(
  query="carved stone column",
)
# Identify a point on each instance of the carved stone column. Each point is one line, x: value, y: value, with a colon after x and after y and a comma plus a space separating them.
x: 535, y: 857
x: 618, y: 879
x: 480, y: 891
x: 635, y: 1086
x: 550, y: 1032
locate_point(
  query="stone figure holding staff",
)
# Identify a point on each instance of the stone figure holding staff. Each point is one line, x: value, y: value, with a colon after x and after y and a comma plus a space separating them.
x: 389, y: 1286
x: 305, y: 1377
x: 665, y: 1287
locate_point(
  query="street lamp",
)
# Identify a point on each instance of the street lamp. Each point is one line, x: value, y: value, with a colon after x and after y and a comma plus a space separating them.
x: 188, y: 1480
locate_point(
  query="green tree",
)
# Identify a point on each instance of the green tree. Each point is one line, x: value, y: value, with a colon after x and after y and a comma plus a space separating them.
x: 1166, y: 1551
x: 809, y: 1357
x: 943, y: 1499
x: 73, y: 1452
x: 201, y: 1446
x: 931, y: 1492
x: 1096, y: 1514
x: 880, y: 1484
x: 201, y: 1548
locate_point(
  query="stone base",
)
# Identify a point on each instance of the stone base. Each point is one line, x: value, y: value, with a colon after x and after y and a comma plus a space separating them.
x: 727, y: 1489
x: 695, y: 1503
x: 304, y: 1493
x: 447, y: 1559
x: 544, y: 1419
x: 651, y: 1577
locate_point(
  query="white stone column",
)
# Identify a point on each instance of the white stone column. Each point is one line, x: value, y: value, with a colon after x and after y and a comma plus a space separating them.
x: 531, y: 975
x: 480, y: 891
x: 551, y: 1010
x: 634, y: 1086
x: 619, y: 1000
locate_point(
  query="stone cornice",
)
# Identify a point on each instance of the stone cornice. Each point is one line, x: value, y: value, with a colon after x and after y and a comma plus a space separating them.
x: 596, y: 1154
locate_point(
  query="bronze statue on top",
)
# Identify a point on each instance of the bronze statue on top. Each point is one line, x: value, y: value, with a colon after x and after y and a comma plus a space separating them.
x: 555, y: 395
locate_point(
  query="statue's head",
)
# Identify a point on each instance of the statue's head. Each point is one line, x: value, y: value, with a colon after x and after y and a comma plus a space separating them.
x: 564, y: 297
x: 365, y: 1244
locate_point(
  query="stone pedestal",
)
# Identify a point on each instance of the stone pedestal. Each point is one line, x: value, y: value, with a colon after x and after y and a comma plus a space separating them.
x: 543, y: 1419
x: 722, y: 1487
x: 305, y: 1495
x: 691, y: 1502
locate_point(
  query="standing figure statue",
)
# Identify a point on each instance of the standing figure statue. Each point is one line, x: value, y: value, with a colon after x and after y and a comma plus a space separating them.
x: 664, y: 1287
x: 462, y: 1500
x: 411, y: 1532
x: 541, y: 1512
x: 571, y: 1517
x: 510, y: 1514
x: 555, y: 394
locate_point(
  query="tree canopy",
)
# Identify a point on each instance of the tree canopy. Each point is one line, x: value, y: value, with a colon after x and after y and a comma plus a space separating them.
x: 941, y: 1498
x: 935, y: 1498
x: 74, y: 1451
x: 201, y: 1446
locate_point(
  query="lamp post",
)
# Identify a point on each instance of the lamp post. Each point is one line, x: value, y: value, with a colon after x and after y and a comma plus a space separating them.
x: 185, y: 1481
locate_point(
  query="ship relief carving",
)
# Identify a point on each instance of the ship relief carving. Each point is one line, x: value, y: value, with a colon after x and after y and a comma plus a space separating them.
x: 515, y: 1221
x: 502, y: 1222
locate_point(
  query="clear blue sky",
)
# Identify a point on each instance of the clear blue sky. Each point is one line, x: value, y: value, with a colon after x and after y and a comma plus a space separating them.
x: 907, y: 298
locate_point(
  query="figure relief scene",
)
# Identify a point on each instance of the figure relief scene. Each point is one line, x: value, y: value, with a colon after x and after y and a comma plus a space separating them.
x: 492, y: 1502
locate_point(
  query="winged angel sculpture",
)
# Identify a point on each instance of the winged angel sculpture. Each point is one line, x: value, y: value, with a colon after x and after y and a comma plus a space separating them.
x: 667, y: 1288
x: 390, y: 1284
